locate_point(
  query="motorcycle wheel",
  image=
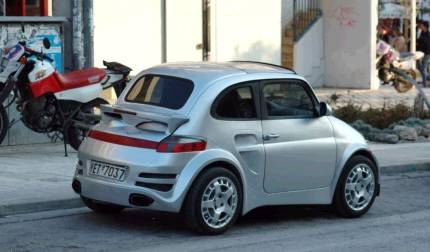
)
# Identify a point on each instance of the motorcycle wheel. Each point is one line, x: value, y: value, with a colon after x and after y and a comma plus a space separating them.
x: 75, y: 135
x: 402, y: 85
x: 4, y: 123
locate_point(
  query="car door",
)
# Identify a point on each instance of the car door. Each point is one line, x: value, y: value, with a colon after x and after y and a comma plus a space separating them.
x: 237, y: 124
x: 299, y: 144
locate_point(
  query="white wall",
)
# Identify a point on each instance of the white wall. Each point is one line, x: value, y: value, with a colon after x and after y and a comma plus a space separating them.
x: 350, y: 43
x: 287, y: 12
x: 240, y: 30
x: 127, y: 32
x: 309, y: 54
x: 184, y: 30
x: 246, y: 30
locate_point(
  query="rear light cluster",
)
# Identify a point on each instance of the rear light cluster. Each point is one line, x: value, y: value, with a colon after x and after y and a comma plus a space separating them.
x: 181, y: 144
x: 171, y: 144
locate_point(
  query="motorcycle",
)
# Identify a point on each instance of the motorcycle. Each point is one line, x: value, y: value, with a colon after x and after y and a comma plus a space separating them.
x: 49, y: 101
x: 390, y: 60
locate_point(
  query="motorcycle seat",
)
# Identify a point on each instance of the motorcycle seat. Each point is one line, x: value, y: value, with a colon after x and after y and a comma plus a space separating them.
x: 81, y: 78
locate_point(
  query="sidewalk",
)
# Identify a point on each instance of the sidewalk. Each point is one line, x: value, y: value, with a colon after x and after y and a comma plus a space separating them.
x: 404, y: 157
x: 38, y: 177
x: 369, y: 98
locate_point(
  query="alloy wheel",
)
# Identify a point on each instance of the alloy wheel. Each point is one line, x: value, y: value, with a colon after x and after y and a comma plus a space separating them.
x: 359, y: 187
x: 219, y: 202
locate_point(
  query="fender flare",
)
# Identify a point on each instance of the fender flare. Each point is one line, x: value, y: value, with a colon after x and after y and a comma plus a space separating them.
x: 347, y: 154
x: 204, y: 160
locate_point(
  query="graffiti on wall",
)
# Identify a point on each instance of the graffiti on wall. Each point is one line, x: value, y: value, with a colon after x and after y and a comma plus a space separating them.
x: 345, y: 16
x: 33, y: 35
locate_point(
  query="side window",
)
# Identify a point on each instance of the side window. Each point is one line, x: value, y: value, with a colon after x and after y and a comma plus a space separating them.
x: 236, y: 103
x: 287, y: 99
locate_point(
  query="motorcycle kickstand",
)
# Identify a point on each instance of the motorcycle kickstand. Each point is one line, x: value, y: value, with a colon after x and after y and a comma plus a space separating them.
x: 65, y: 145
x: 65, y: 140
x: 13, y: 122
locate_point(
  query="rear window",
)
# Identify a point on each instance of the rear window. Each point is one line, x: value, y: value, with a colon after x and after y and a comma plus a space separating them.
x: 164, y: 91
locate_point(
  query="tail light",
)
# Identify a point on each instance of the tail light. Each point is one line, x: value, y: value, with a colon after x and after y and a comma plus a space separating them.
x: 122, y: 140
x: 171, y: 144
x: 176, y: 144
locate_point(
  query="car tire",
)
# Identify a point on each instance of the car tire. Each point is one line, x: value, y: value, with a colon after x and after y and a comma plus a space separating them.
x: 356, y: 188
x: 100, y: 207
x: 221, y: 191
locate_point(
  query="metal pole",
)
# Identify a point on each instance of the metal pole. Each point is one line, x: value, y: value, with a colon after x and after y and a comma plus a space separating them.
x: 413, y: 25
x: 294, y: 19
x: 163, y: 32
x: 78, y: 50
x: 2, y: 7
x: 88, y: 32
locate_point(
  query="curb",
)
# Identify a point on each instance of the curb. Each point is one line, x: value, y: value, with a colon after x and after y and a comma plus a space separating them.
x: 395, y: 169
x: 24, y: 208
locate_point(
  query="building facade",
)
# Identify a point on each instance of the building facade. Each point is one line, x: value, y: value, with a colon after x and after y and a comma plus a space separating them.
x: 336, y: 48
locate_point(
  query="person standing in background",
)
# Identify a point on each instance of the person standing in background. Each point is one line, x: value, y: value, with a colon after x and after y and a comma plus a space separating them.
x: 423, y: 42
x: 398, y: 41
x: 384, y: 33
x: 423, y: 45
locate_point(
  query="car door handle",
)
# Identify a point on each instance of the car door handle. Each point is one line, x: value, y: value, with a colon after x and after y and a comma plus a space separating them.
x: 267, y: 137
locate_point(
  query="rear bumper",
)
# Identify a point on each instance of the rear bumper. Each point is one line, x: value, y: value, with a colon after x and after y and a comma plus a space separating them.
x: 125, y: 196
x: 153, y: 181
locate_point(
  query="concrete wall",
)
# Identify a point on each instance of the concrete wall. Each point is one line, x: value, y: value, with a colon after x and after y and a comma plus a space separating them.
x: 10, y: 32
x: 350, y: 43
x: 129, y: 33
x: 309, y: 54
x: 247, y: 30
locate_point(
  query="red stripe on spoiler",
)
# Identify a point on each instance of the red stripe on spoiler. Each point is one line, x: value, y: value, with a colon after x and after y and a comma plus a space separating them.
x: 122, y: 140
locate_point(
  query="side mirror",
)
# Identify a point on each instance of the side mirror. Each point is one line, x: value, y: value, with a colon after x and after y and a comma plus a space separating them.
x: 325, y: 109
x: 46, y: 43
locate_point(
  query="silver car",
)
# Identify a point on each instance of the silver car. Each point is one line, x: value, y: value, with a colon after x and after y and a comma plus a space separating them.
x: 213, y: 141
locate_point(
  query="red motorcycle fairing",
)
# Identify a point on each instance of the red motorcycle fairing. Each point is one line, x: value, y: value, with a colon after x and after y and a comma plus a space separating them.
x: 57, y: 82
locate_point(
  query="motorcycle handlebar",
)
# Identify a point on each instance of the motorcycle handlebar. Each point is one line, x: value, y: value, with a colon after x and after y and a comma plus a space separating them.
x: 38, y: 54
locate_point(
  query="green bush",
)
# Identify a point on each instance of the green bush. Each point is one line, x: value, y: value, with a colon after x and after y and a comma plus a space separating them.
x: 378, y: 117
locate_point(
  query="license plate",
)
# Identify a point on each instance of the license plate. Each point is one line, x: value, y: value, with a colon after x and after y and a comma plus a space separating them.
x: 116, y: 172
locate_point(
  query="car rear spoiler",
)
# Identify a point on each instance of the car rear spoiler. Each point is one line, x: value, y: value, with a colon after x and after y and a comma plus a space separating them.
x: 136, y: 118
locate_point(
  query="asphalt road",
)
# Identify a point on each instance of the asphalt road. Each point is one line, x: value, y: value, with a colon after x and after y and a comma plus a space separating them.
x: 398, y: 221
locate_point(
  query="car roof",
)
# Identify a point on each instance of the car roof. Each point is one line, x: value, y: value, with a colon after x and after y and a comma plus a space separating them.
x: 202, y: 73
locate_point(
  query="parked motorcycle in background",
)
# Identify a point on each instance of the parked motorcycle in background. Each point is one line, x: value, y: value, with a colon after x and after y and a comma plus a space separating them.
x: 389, y: 59
x: 49, y: 101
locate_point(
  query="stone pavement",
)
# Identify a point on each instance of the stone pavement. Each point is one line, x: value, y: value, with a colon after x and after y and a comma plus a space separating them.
x: 38, y: 177
x: 369, y: 98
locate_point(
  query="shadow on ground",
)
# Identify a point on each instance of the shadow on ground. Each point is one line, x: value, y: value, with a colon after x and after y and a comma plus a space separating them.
x: 166, y: 224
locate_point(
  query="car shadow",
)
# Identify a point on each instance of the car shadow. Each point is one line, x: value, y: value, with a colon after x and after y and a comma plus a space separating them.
x: 168, y: 224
